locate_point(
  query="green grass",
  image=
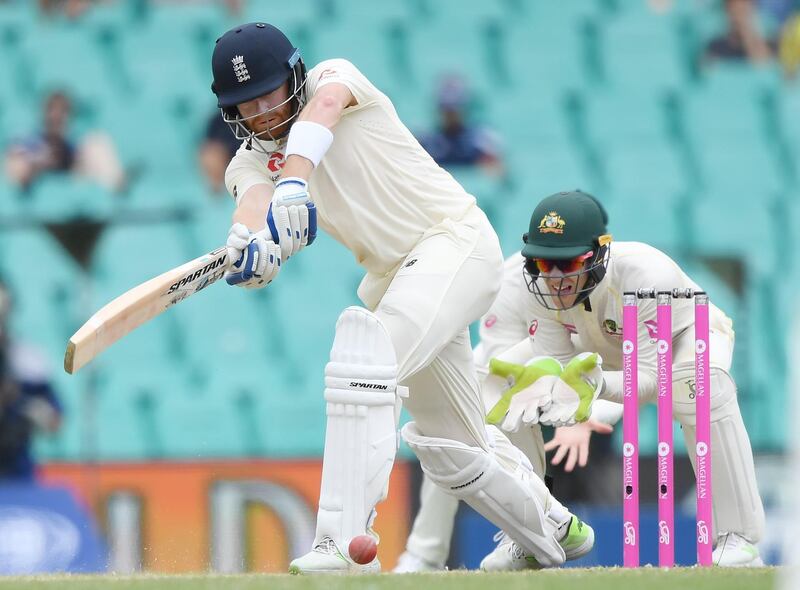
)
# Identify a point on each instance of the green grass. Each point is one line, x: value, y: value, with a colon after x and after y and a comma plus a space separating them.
x: 565, y: 579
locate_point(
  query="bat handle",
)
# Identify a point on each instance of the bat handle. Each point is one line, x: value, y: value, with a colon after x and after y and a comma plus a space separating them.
x: 247, y: 273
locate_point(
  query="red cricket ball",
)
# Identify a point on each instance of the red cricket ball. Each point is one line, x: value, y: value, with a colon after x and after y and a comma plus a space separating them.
x: 363, y: 549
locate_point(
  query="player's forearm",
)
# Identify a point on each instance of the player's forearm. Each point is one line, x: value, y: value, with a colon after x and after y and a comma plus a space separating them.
x: 324, y: 109
x: 297, y: 167
x: 606, y: 411
x: 252, y: 209
x: 648, y: 386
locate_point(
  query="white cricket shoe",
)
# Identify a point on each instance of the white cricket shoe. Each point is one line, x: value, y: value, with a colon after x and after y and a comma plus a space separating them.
x: 408, y: 563
x: 508, y: 556
x: 325, y: 558
x: 733, y: 550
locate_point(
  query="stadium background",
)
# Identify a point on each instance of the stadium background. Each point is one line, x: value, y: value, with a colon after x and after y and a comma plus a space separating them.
x: 605, y: 95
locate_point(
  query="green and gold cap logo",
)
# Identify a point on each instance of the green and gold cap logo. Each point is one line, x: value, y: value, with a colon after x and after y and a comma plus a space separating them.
x: 552, y: 223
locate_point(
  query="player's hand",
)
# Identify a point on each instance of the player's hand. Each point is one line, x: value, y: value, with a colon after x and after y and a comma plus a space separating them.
x: 573, y: 442
x: 531, y: 391
x: 577, y: 388
x: 292, y: 217
x: 256, y: 260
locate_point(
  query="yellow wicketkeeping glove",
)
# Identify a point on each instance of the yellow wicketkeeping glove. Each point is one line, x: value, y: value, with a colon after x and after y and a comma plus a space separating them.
x: 579, y: 384
x: 530, y: 392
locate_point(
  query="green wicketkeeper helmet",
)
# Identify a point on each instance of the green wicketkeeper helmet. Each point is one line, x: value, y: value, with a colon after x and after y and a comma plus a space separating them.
x: 564, y: 227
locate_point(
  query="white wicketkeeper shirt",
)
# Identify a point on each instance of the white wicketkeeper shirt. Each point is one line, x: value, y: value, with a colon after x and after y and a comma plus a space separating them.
x: 517, y: 315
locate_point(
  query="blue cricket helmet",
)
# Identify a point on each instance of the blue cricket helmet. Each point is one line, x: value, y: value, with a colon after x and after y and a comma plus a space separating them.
x: 249, y: 61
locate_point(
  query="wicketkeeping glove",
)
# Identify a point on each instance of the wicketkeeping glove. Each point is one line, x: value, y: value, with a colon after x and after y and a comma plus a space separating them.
x: 530, y: 392
x: 577, y: 388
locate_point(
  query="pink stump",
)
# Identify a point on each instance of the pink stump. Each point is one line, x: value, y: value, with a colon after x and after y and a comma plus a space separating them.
x: 703, y: 413
x: 630, y: 432
x: 666, y: 501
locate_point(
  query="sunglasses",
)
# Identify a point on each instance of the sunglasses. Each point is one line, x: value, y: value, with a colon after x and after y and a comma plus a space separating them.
x: 566, y: 266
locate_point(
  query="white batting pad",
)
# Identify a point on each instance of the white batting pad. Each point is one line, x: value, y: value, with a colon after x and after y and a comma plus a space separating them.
x: 734, y: 491
x: 361, y: 433
x: 513, y: 499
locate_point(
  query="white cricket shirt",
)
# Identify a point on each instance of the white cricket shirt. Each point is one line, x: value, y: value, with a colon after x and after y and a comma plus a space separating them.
x: 377, y: 191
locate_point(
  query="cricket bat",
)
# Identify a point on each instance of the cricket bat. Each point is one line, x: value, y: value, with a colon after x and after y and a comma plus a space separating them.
x: 141, y: 304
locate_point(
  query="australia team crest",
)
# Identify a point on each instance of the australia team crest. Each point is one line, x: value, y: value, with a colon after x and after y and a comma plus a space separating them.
x: 552, y: 223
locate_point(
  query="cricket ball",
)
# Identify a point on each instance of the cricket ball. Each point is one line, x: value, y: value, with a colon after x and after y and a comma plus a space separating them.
x: 363, y: 549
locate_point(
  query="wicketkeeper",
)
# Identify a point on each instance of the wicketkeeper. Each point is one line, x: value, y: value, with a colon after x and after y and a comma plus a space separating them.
x: 555, y: 332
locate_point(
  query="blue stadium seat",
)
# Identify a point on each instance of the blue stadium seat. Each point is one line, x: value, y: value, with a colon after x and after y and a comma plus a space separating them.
x: 737, y: 224
x: 476, y: 52
x: 541, y: 168
x: 728, y: 104
x: 210, y: 219
x: 138, y: 392
x: 200, y: 421
x: 556, y: 18
x: 12, y: 202
x: 544, y: 57
x: 160, y: 62
x: 127, y: 255
x: 318, y: 12
x: 258, y: 402
x: 455, y: 13
x: 234, y: 329
x: 152, y: 136
x: 789, y: 106
x: 762, y: 341
x: 746, y: 168
x: 491, y: 192
x: 645, y: 181
x: 151, y: 193
x: 18, y: 120
x: 379, y: 63
x: 89, y: 78
x: 625, y: 117
x: 640, y: 50
x: 61, y: 197
x: 46, y: 288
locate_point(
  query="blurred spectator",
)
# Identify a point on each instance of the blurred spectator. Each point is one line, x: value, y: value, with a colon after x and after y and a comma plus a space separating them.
x: 218, y: 147
x: 742, y: 41
x: 661, y: 6
x: 72, y: 9
x: 457, y: 142
x: 777, y: 10
x: 27, y: 402
x: 789, y: 48
x: 51, y: 150
x: 234, y: 8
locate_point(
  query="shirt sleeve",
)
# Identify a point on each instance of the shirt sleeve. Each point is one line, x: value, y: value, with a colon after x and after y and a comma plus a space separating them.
x: 342, y: 71
x: 504, y: 325
x: 647, y: 379
x: 242, y: 174
x: 662, y: 274
x: 549, y: 337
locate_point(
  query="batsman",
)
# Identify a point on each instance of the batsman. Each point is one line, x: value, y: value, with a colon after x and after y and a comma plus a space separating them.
x: 559, y: 315
x: 433, y: 265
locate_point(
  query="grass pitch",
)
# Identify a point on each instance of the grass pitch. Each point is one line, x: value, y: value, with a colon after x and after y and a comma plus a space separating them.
x: 563, y: 579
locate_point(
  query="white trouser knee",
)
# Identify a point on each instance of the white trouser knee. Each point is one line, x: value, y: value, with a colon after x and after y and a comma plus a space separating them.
x: 501, y: 486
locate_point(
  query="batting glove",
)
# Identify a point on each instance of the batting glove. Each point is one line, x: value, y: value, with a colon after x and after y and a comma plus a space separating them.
x: 292, y: 217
